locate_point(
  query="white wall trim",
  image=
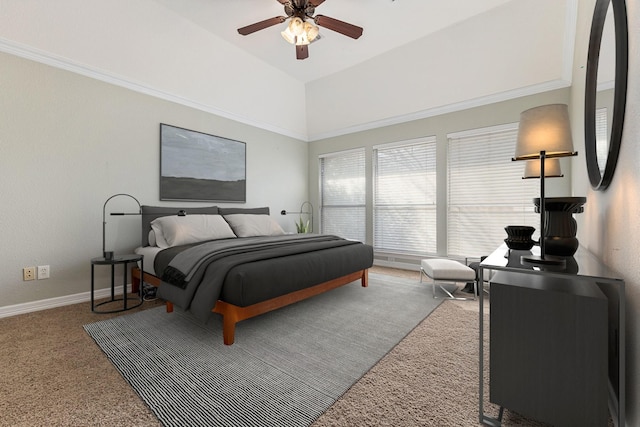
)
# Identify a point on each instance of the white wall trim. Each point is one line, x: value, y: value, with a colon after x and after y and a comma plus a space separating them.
x: 406, y: 142
x: 340, y: 153
x: 47, y: 58
x: 45, y: 304
x: 445, y: 109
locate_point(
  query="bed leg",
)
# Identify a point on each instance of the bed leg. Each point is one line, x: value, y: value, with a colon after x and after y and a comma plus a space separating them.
x: 365, y: 278
x: 169, y: 306
x: 228, y: 330
x: 231, y: 315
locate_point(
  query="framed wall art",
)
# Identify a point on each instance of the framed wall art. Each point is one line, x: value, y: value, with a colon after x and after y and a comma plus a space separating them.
x: 197, y: 166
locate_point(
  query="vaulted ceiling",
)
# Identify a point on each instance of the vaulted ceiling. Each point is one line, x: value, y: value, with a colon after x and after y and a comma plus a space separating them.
x: 415, y: 58
x: 388, y: 24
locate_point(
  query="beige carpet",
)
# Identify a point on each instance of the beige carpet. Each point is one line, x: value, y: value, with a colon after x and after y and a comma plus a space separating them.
x: 429, y: 379
x: 54, y: 374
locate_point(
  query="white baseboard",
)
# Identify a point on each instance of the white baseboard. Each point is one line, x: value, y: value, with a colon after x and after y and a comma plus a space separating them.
x: 45, y: 304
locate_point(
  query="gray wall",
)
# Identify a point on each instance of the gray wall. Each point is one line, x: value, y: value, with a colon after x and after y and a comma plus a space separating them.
x: 609, y: 226
x: 440, y: 126
x: 69, y: 142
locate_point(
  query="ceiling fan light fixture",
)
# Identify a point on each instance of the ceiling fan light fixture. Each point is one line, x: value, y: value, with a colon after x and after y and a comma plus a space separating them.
x: 299, y: 32
x: 302, y: 28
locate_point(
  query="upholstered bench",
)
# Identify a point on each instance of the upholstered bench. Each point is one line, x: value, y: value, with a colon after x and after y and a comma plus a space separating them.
x: 442, y: 271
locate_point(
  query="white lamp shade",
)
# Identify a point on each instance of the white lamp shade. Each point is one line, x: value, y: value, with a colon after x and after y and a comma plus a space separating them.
x: 551, y: 168
x: 296, y: 26
x: 311, y: 30
x: 288, y: 36
x: 545, y: 128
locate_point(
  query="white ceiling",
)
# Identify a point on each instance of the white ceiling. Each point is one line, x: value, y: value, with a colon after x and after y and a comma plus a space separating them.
x: 388, y: 24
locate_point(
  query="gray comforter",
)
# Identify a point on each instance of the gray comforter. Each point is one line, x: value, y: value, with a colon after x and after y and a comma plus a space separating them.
x: 194, y: 275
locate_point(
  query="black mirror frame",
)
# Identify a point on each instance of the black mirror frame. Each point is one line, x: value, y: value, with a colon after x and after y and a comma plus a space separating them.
x: 601, y: 181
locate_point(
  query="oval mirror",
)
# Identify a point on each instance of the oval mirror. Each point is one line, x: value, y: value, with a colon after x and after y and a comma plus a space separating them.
x: 605, y: 90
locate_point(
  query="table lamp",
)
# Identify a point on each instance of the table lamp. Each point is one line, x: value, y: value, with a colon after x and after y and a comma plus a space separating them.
x: 544, y: 133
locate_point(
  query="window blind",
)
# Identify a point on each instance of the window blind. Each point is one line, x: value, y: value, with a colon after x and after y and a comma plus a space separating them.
x: 342, y: 192
x: 404, y: 198
x: 486, y: 191
x: 602, y: 138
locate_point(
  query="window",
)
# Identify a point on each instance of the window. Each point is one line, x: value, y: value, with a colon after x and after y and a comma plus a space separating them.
x: 404, y: 197
x: 486, y: 191
x: 602, y: 138
x: 342, y: 192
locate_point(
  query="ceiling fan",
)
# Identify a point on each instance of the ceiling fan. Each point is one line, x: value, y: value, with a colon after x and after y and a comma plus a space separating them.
x: 300, y: 30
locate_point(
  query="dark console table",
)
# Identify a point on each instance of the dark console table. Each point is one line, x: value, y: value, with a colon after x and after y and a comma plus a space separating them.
x: 556, y: 340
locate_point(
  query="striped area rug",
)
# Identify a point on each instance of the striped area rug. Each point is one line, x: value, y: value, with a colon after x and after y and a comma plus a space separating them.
x: 285, y: 368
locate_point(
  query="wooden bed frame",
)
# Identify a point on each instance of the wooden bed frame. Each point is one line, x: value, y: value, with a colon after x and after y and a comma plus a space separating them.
x: 232, y: 314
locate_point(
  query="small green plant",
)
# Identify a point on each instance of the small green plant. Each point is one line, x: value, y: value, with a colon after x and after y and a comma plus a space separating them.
x: 302, y: 227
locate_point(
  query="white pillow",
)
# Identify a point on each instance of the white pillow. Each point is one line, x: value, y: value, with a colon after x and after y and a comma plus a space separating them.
x: 180, y: 230
x: 157, y: 240
x: 247, y: 225
x: 152, y: 238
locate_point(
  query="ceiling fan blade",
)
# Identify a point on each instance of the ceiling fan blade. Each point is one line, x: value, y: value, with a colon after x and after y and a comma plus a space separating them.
x: 315, y: 3
x: 261, y: 25
x: 302, y: 51
x: 283, y: 1
x: 341, y: 27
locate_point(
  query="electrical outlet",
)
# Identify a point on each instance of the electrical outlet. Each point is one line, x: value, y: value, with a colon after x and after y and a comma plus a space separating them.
x: 28, y: 273
x: 43, y: 272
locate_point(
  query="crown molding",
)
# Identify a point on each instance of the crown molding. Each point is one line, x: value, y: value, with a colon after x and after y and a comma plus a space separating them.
x: 53, y: 60
x: 47, y: 58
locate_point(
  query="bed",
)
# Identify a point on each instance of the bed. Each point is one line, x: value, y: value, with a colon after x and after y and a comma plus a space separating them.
x: 239, y: 263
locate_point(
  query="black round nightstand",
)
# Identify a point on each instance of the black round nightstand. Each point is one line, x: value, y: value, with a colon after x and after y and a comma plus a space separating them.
x: 117, y: 259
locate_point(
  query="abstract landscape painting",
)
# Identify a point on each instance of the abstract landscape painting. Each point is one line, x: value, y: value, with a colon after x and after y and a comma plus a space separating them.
x: 201, y: 167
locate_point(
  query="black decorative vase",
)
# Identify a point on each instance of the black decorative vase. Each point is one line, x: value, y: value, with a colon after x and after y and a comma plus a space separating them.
x: 560, y: 227
x: 519, y: 237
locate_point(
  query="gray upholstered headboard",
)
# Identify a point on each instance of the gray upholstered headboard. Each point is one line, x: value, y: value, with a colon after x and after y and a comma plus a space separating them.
x: 149, y: 213
x: 251, y: 211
